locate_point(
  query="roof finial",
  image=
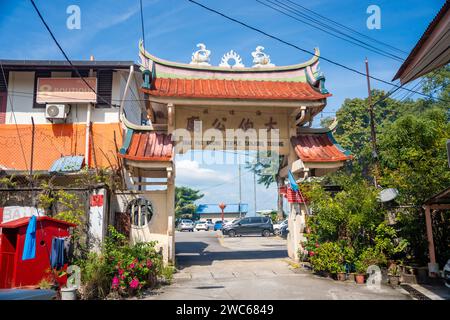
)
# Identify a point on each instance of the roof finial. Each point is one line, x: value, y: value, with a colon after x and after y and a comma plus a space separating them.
x: 261, y: 59
x: 201, y: 56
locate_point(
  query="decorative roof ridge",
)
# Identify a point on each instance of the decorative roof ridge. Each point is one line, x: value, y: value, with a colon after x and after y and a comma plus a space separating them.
x: 180, y: 65
x: 233, y: 80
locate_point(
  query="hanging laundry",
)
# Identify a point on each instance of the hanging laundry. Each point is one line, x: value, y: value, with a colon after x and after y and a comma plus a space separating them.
x: 68, y: 248
x: 292, y: 182
x: 29, y: 248
x: 57, y: 257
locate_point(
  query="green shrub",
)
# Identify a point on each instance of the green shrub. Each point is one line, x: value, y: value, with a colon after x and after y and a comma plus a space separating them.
x: 369, y: 256
x: 328, y: 257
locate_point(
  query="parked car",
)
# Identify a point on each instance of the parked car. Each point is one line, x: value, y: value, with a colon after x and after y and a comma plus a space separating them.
x: 284, y: 230
x: 447, y: 274
x: 219, y: 224
x: 210, y: 224
x: 277, y: 226
x: 186, y: 225
x: 201, y: 225
x: 230, y: 222
x: 251, y: 225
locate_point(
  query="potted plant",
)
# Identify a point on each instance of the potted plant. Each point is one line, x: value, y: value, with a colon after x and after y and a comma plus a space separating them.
x: 361, y: 270
x: 394, y: 272
x: 341, y: 273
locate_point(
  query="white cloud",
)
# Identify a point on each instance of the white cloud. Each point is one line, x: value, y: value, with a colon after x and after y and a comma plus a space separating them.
x: 190, y: 172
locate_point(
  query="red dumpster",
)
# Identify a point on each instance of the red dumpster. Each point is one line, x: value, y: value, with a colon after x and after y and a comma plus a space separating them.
x: 15, y: 272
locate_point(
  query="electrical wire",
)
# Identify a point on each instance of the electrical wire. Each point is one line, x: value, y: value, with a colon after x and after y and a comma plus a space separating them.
x: 305, y: 50
x: 14, y: 116
x: 346, y: 27
x: 353, y: 40
x: 65, y: 55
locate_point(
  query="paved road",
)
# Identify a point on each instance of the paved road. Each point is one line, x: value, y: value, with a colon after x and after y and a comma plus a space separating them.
x: 211, y: 267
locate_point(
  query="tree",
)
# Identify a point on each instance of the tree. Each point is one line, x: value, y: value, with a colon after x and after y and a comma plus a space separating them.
x: 184, y: 201
x: 261, y: 167
x: 414, y: 160
x: 411, y: 145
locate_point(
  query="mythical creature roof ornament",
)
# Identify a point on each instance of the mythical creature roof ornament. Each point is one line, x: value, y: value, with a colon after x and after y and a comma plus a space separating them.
x: 201, y: 56
x: 261, y: 59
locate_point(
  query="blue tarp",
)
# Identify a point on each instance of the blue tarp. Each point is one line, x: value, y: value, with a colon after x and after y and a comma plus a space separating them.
x: 68, y: 164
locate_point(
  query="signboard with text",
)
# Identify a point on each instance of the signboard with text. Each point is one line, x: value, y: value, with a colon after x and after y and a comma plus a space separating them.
x: 66, y: 90
x: 248, y: 129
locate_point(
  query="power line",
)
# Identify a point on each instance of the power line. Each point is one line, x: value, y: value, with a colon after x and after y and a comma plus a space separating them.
x: 353, y: 40
x: 64, y: 53
x: 305, y: 50
x: 14, y: 116
x: 346, y: 27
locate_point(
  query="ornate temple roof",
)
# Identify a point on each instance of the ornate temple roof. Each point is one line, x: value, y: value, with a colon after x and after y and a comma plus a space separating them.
x: 166, y: 78
x: 319, y: 147
x: 237, y: 89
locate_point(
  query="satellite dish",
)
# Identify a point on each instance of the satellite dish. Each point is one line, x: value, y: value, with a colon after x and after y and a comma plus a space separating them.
x: 387, y: 195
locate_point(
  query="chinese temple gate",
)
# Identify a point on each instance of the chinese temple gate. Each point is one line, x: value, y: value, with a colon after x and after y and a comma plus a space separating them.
x: 231, y: 107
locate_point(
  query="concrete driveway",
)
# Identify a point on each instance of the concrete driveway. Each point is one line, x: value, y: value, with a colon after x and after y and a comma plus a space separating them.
x: 213, y: 267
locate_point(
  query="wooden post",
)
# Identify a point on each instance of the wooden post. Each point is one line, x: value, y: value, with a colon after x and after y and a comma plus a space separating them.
x: 428, y: 222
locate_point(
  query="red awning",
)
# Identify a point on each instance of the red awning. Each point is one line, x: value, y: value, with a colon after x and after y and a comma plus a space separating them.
x: 234, y: 89
x: 149, y: 146
x: 318, y: 147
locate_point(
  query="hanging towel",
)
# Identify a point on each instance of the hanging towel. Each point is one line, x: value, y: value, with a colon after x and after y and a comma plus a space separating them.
x: 29, y: 248
x: 57, y: 258
x: 293, y: 183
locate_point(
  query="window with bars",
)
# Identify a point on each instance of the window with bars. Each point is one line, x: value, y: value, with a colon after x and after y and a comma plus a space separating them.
x: 140, y: 212
x: 104, y: 88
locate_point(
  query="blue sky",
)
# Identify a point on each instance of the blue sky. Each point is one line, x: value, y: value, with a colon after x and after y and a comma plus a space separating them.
x: 111, y: 30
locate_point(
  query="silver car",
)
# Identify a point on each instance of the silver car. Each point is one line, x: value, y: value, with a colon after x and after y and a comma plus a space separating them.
x: 186, y: 225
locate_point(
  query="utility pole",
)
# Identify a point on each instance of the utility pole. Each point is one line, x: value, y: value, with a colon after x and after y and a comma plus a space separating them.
x: 254, y: 190
x: 373, y: 133
x: 240, y: 193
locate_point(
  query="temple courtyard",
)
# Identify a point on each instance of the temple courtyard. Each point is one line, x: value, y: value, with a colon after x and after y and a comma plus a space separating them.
x: 211, y: 266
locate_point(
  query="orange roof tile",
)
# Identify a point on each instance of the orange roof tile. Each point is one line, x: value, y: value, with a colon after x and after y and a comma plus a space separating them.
x: 234, y: 89
x: 149, y: 146
x: 318, y: 148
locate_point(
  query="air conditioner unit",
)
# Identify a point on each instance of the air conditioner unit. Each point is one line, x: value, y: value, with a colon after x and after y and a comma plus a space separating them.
x: 55, y: 111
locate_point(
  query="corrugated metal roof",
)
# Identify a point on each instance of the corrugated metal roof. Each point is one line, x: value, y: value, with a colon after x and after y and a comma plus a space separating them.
x: 421, y: 44
x: 30, y: 64
x: 68, y: 164
x: 234, y: 89
x: 214, y: 208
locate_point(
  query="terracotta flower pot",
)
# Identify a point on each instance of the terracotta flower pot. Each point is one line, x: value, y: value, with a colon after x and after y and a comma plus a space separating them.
x: 360, y: 278
x: 394, y: 280
x: 341, y: 276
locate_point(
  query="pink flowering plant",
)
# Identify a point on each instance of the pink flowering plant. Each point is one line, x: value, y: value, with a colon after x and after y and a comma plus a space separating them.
x: 132, y: 268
